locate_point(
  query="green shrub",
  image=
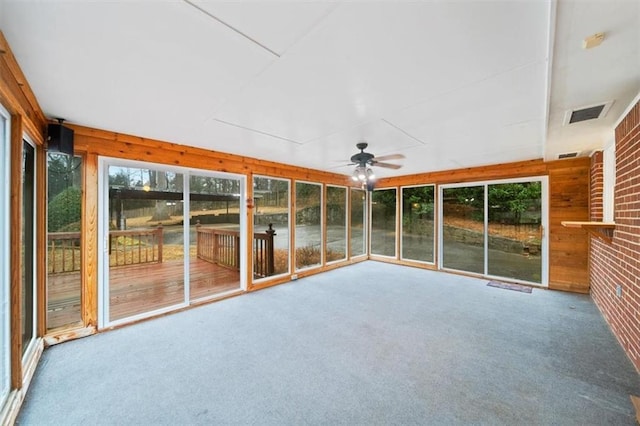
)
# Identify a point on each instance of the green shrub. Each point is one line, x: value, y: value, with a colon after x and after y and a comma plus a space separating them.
x: 65, y: 211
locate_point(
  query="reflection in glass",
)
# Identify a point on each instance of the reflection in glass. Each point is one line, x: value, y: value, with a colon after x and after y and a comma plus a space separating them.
x: 308, y: 225
x: 5, y: 345
x: 383, y: 222
x: 515, y: 230
x: 336, y: 219
x: 271, y: 227
x: 146, y: 240
x: 64, y: 249
x: 358, y: 214
x: 463, y: 228
x: 417, y: 223
x: 214, y: 236
x: 27, y: 244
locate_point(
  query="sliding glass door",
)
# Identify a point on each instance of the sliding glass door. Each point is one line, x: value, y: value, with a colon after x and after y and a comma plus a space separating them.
x: 145, y: 241
x: 495, y: 229
x: 170, y: 236
x: 515, y: 230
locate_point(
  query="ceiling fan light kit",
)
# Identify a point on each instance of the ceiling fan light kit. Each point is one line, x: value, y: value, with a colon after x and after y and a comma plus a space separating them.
x: 363, y: 160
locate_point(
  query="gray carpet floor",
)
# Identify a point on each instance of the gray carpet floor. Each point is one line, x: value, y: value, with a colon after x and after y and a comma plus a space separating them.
x: 371, y: 343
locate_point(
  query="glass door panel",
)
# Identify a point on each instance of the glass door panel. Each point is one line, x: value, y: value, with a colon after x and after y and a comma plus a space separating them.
x: 383, y: 222
x: 28, y: 244
x: 463, y: 235
x: 308, y: 225
x: 270, y: 227
x: 64, y: 250
x: 358, y: 214
x: 515, y: 230
x: 214, y: 236
x: 417, y: 223
x: 146, y: 241
x: 336, y: 219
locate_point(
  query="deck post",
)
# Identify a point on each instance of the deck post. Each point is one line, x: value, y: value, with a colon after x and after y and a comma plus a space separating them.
x: 270, y: 252
x: 198, y: 249
x: 160, y: 238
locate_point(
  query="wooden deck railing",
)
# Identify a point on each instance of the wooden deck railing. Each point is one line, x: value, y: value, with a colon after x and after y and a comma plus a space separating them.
x: 263, y: 253
x: 63, y: 251
x: 218, y: 246
x: 223, y: 248
x: 145, y: 246
x: 135, y: 247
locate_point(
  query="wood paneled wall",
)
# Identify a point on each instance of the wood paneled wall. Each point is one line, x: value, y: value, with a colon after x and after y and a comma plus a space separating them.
x: 568, y: 200
x: 27, y: 119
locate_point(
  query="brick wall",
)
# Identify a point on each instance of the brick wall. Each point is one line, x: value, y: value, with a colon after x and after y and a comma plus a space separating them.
x: 618, y: 263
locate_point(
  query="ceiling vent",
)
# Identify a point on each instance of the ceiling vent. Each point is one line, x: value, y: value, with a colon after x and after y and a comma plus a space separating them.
x: 568, y: 155
x: 591, y: 112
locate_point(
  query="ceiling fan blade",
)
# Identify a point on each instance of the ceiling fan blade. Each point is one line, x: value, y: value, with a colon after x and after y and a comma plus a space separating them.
x: 386, y: 165
x: 340, y: 166
x: 390, y: 157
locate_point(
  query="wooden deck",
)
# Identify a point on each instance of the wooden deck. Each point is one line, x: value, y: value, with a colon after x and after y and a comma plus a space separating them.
x: 136, y: 289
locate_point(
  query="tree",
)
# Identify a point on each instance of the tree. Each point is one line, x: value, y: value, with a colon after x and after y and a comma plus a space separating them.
x: 514, y: 198
x: 64, y: 211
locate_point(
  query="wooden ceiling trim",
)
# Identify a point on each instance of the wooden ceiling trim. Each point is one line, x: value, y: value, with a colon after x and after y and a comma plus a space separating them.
x: 16, y: 94
x: 497, y: 171
x: 118, y: 145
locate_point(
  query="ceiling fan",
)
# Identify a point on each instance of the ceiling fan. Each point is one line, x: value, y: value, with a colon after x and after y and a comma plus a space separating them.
x: 364, y: 161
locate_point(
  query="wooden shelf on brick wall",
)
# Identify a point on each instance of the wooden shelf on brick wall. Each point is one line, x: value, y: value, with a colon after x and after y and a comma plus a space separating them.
x: 603, y: 230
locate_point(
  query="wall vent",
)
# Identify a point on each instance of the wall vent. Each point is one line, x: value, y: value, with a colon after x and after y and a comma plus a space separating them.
x: 590, y: 112
x: 568, y: 155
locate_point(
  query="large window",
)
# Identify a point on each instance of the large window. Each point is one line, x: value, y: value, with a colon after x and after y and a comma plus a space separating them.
x: 336, y: 219
x: 5, y: 348
x: 383, y: 222
x: 214, y: 235
x: 495, y: 229
x: 417, y: 223
x: 463, y: 228
x: 270, y: 227
x: 358, y: 214
x: 308, y: 230
x: 64, y: 244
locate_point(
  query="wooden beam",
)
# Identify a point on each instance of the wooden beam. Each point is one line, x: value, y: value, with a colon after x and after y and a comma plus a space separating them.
x: 17, y: 96
x: 16, y: 251
x: 41, y: 241
x: 89, y: 241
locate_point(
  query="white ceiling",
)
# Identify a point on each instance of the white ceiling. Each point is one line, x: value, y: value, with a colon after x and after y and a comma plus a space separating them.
x: 448, y: 84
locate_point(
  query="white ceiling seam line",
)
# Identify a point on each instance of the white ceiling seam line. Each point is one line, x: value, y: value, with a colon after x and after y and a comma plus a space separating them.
x: 404, y: 132
x: 232, y: 28
x: 311, y: 29
x: 553, y: 9
x: 465, y: 86
x: 257, y: 131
